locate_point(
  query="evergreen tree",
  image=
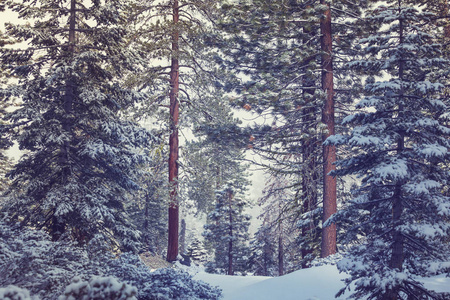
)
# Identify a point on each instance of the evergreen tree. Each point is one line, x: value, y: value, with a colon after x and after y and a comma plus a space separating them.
x: 262, y: 259
x: 284, y: 48
x: 202, y: 167
x: 284, y: 227
x: 197, y: 253
x: 81, y: 155
x: 174, y: 35
x: 147, y: 207
x: 227, y: 229
x: 212, y: 163
x: 400, y: 143
x: 213, y: 159
x: 328, y: 246
x: 5, y: 143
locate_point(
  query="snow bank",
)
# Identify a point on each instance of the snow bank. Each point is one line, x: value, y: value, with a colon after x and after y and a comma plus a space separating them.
x: 317, y: 283
x: 310, y: 284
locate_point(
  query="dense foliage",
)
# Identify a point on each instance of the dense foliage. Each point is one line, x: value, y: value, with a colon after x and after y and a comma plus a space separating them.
x: 98, y: 288
x: 30, y: 260
x: 81, y: 157
x: 162, y: 284
x: 48, y: 270
x: 276, y: 47
x: 227, y: 230
x: 400, y: 143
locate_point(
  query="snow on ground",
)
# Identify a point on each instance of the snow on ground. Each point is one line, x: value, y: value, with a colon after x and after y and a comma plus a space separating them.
x: 310, y: 284
x: 317, y: 283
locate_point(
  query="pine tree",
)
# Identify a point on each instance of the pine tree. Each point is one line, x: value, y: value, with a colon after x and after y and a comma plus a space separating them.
x: 197, y: 253
x: 227, y: 229
x: 81, y: 155
x: 202, y: 167
x: 329, y: 151
x: 284, y: 47
x: 262, y: 259
x: 400, y: 141
x: 213, y: 158
x: 5, y: 143
x: 212, y: 163
x: 147, y: 207
x: 285, y: 229
x: 174, y: 35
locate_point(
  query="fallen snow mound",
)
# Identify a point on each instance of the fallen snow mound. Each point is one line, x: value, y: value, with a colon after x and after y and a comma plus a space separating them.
x: 317, y: 283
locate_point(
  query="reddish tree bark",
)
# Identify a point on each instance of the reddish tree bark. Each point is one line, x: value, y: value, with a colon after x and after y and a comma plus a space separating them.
x: 172, y: 247
x: 329, y: 151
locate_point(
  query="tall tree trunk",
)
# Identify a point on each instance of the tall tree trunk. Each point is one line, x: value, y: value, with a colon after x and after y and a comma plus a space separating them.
x: 172, y: 248
x: 230, y: 243
x: 309, y: 150
x: 397, y: 256
x: 58, y: 228
x: 329, y: 152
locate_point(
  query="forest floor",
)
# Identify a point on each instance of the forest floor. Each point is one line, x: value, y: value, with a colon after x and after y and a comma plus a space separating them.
x: 316, y: 283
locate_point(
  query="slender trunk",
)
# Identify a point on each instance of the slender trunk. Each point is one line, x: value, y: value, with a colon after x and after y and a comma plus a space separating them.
x: 183, y: 237
x: 72, y: 23
x: 309, y: 187
x: 58, y: 227
x: 146, y: 221
x: 397, y: 245
x: 329, y: 152
x: 280, y: 250
x: 397, y: 256
x: 309, y: 176
x: 230, y: 243
x: 267, y: 257
x: 172, y: 248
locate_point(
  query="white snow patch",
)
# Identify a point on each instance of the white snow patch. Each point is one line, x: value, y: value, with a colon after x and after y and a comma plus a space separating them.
x: 422, y: 187
x: 432, y: 150
x: 316, y: 283
x: 392, y: 170
x: 319, y: 283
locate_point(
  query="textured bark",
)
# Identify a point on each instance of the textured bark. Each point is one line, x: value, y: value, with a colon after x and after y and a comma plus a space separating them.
x: 172, y: 248
x: 329, y: 152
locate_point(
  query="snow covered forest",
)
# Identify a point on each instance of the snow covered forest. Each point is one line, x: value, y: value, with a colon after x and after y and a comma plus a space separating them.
x: 225, y: 149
